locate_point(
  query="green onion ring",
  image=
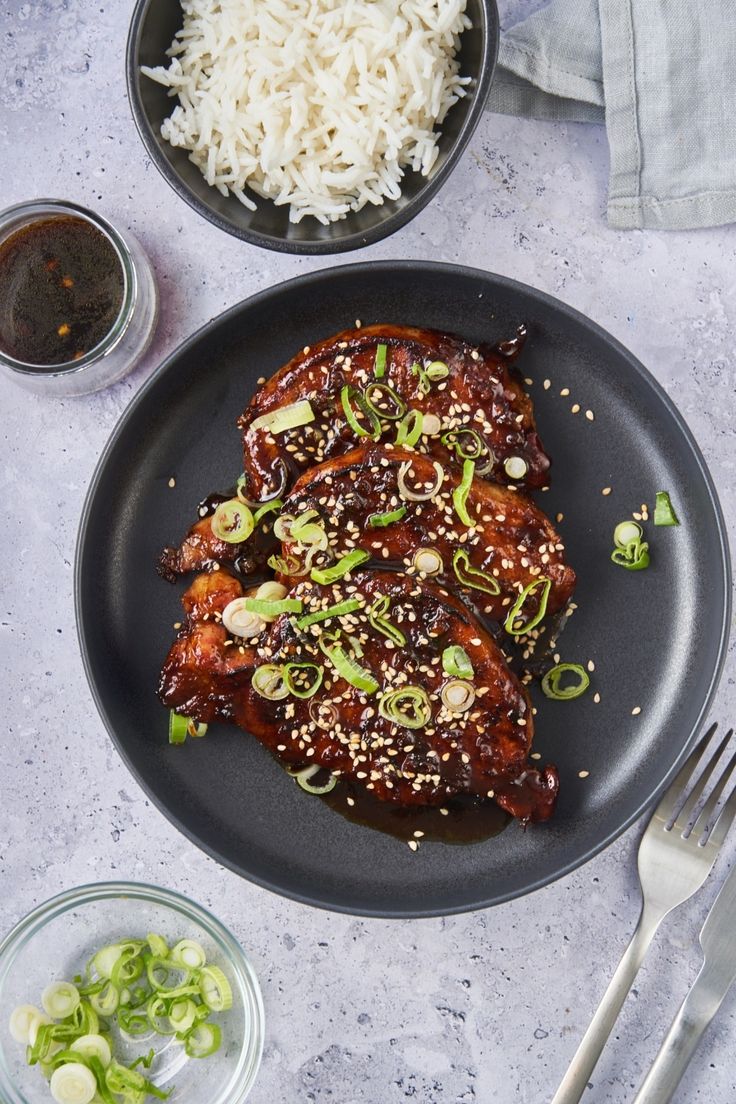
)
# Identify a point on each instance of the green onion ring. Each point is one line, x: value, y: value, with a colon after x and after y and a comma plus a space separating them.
x: 399, y: 406
x: 344, y: 565
x: 268, y: 681
x: 510, y: 623
x: 407, y: 706
x: 437, y: 370
x: 456, y: 661
x: 664, y: 511
x: 425, y: 384
x: 292, y: 670
x: 378, y: 620
x: 380, y: 521
x: 627, y: 532
x: 471, y: 576
x: 409, y: 429
x: 465, y: 442
x: 634, y: 557
x: 348, y: 395
x: 304, y: 777
x: 267, y: 508
x: 232, y: 521
x: 461, y: 492
x: 551, y: 682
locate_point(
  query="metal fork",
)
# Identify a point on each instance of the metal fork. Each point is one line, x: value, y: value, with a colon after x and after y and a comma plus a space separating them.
x: 674, y: 861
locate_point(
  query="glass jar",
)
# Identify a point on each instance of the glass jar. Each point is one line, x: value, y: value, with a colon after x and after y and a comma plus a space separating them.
x: 131, y: 332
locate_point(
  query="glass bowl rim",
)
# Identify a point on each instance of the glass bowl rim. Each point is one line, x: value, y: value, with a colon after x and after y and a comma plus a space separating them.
x: 33, y: 923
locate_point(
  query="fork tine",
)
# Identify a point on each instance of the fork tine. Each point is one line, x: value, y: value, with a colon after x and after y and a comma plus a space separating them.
x: 724, y: 822
x: 695, y: 794
x: 668, y: 804
x: 703, y: 823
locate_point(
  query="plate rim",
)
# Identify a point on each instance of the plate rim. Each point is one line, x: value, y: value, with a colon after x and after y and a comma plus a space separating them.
x: 407, y: 265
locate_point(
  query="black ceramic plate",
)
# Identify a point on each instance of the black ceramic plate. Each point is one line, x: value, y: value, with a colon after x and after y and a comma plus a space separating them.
x: 657, y: 637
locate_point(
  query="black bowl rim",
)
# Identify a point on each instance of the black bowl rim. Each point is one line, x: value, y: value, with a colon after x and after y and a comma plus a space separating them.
x: 490, y: 40
x: 697, y: 458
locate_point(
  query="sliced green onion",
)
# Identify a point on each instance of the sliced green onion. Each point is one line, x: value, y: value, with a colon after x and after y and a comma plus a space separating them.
x: 379, y: 367
x: 515, y: 467
x: 156, y: 1011
x: 359, y: 677
x: 105, y: 960
x: 465, y: 443
x: 456, y: 661
x: 105, y: 1002
x: 240, y: 621
x: 305, y: 529
x: 183, y: 1014
x: 409, y: 429
x: 397, y: 407
x: 428, y: 561
x: 188, y: 953
x: 414, y: 494
x: 664, y: 511
x: 271, y: 608
x: 379, y: 621
x: 626, y: 533
x: 285, y: 417
x: 304, y: 779
x: 61, y: 999
x: 461, y: 492
x: 431, y: 425
x: 284, y: 565
x: 145, y: 1060
x: 21, y: 1021
x: 380, y: 521
x: 425, y: 384
x: 294, y: 679
x: 268, y: 681
x: 551, y: 683
x: 232, y: 521
x: 457, y: 695
x: 634, y: 557
x: 215, y: 989
x: 407, y: 706
x: 73, y: 1083
x: 437, y: 370
x: 203, y: 1040
x: 133, y: 1022
x: 180, y: 727
x: 511, y: 625
x: 93, y: 1046
x: 158, y: 945
x: 473, y: 577
x: 348, y: 396
x: 344, y: 565
x: 340, y: 609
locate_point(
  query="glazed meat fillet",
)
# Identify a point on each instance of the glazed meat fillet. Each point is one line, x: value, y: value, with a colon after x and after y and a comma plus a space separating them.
x: 386, y: 382
x: 381, y: 679
x: 403, y: 508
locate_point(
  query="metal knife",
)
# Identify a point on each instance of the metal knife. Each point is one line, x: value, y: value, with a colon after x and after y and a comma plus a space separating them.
x: 717, y: 974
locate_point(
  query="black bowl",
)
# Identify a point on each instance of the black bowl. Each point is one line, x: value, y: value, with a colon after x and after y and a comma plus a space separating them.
x: 154, y: 24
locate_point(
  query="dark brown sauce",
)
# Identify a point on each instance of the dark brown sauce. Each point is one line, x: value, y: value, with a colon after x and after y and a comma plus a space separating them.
x: 468, y: 819
x: 61, y: 290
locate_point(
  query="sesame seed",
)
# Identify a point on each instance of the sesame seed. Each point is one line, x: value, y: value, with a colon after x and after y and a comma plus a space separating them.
x: 547, y: 384
x: 583, y: 774
x: 177, y: 624
x: 172, y: 482
x: 606, y: 491
x: 591, y: 665
x: 575, y: 408
x: 418, y: 834
x: 636, y: 711
x: 564, y: 392
x: 535, y: 755
x: 596, y: 698
x: 590, y: 415
x: 358, y: 323
x: 413, y: 844
x: 528, y: 381
x: 444, y: 811
x: 560, y: 517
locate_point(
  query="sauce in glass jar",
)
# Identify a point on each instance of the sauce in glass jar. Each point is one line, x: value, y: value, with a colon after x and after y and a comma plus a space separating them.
x: 63, y: 288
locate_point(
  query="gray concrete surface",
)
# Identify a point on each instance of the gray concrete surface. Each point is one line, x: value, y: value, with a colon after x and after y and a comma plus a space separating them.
x: 485, y: 1007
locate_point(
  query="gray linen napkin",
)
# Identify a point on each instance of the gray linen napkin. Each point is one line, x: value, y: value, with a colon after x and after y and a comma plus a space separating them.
x: 661, y: 74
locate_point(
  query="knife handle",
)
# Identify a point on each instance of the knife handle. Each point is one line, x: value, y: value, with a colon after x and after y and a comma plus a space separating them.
x: 574, y: 1082
x: 696, y: 1011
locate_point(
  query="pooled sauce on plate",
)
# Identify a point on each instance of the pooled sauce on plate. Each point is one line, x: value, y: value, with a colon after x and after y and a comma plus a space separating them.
x: 61, y: 290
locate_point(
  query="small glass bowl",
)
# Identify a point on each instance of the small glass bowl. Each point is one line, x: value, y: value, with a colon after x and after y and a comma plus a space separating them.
x: 55, y: 941
x: 131, y: 333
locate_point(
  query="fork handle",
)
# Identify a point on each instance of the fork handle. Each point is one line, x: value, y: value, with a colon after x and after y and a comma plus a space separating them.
x: 696, y: 1012
x: 576, y: 1079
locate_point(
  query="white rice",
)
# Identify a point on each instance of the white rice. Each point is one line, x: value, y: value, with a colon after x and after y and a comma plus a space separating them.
x: 319, y: 104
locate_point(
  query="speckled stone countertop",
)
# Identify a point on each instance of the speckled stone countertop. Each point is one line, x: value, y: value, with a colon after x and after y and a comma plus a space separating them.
x: 477, y: 1008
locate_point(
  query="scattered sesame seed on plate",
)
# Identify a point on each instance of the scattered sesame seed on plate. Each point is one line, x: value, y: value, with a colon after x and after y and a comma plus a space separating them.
x: 444, y: 811
x: 560, y: 517
x: 413, y: 844
x: 535, y: 755
x: 565, y: 392
x: 177, y: 624
x: 590, y: 415
x: 547, y: 384
x: 528, y: 381
x: 606, y: 491
x: 172, y: 482
x: 596, y: 697
x: 358, y: 323
x: 583, y: 774
x: 591, y: 665
x: 575, y: 408
x: 636, y: 711
x: 261, y: 380
x: 418, y: 834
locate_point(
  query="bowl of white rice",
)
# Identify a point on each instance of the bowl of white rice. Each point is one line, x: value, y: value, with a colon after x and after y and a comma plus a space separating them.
x: 309, y: 126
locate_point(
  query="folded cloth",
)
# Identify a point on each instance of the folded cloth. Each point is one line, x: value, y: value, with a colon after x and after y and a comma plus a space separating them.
x: 661, y: 74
